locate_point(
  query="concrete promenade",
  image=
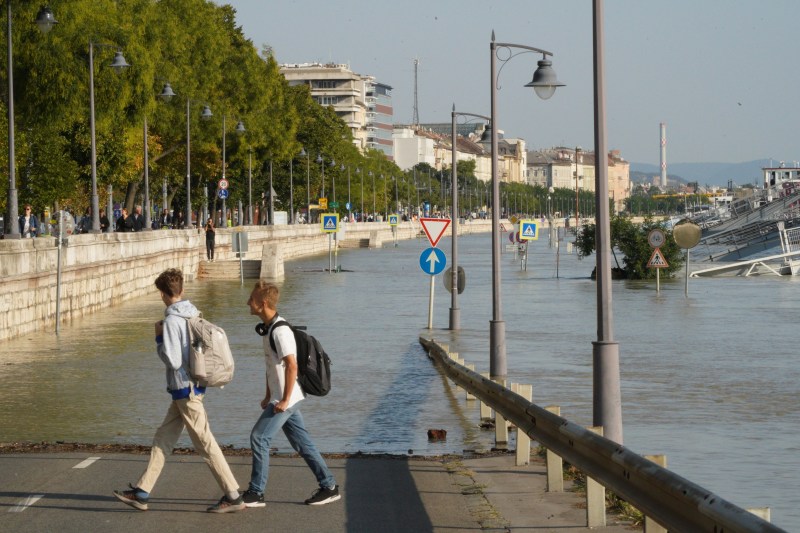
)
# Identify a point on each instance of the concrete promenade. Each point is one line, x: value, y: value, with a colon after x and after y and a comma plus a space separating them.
x: 71, y: 492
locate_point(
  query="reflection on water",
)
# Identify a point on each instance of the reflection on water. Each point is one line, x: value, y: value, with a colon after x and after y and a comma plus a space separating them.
x: 710, y: 381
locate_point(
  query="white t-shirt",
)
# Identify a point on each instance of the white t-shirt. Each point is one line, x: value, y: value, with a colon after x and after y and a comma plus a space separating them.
x: 276, y: 368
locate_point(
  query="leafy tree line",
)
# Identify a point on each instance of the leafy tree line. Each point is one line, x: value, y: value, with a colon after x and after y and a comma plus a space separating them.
x: 197, y: 47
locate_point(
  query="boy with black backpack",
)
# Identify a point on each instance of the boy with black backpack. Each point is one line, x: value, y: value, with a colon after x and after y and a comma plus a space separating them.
x: 186, y: 409
x: 281, y: 409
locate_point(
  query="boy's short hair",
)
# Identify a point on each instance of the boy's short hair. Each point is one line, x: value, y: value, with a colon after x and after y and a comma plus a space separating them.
x: 268, y: 292
x: 170, y: 282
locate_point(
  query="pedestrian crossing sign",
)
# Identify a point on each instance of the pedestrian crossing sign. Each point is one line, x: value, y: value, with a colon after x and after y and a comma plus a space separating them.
x: 528, y: 230
x: 392, y: 220
x: 330, y: 222
x: 657, y: 260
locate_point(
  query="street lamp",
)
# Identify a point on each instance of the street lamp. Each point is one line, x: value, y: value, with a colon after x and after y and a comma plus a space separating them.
x: 45, y: 21
x: 577, y: 190
x: 607, y: 399
x: 455, y: 312
x: 308, y: 183
x: 118, y: 64
x: 166, y: 94
x: 322, y: 172
x: 544, y: 83
x: 205, y: 115
x: 240, y: 129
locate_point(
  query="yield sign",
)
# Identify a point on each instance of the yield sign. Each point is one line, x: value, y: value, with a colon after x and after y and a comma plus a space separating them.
x: 657, y: 260
x: 434, y: 228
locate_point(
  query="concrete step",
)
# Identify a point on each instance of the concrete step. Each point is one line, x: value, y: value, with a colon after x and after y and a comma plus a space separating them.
x: 229, y: 269
x: 354, y: 243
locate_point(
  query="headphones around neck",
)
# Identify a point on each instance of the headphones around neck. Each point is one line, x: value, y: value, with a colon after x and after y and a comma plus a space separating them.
x: 262, y: 328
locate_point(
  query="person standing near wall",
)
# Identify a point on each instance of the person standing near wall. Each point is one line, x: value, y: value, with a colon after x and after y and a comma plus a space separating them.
x: 210, y: 234
x: 28, y: 225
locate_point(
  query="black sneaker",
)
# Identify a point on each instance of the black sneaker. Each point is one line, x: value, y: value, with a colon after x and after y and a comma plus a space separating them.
x: 323, y: 496
x: 132, y: 498
x: 225, y: 505
x: 253, y: 499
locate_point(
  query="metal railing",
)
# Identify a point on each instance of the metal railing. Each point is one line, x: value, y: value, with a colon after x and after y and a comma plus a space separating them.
x: 671, y: 500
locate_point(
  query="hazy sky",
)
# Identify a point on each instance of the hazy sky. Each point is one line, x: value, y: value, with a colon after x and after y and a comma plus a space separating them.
x: 722, y: 74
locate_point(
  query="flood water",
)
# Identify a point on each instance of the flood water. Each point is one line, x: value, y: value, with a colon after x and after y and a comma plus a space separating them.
x: 710, y: 380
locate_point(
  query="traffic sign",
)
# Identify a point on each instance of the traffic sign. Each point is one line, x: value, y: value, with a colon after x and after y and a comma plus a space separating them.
x: 323, y: 203
x: 223, y: 184
x: 656, y: 238
x: 529, y: 230
x: 330, y: 222
x: 657, y: 260
x: 223, y: 194
x: 432, y: 261
x: 393, y: 220
x: 434, y: 228
x: 334, y: 205
x: 347, y: 206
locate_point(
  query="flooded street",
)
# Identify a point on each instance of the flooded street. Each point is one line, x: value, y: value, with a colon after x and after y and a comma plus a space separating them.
x: 711, y: 381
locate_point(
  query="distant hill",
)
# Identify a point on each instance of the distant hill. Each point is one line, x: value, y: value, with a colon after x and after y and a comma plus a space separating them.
x: 709, y: 173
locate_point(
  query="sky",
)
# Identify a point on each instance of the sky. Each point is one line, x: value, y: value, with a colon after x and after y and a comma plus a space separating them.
x: 721, y: 74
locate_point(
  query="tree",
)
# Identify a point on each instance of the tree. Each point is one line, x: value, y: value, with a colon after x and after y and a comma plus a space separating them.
x: 631, y: 240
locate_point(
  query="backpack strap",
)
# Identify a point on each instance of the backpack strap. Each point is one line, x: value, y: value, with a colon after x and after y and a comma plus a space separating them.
x: 271, y: 338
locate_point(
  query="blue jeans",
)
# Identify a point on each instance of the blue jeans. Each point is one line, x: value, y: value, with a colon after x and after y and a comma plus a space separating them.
x: 264, y: 433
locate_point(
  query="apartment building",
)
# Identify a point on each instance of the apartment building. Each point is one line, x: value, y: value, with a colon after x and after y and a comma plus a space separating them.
x: 363, y: 103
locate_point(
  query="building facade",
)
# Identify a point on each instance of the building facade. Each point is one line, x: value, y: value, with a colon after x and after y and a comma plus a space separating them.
x: 363, y: 103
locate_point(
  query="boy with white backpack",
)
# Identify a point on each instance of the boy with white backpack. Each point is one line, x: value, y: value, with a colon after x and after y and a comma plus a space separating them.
x: 186, y: 409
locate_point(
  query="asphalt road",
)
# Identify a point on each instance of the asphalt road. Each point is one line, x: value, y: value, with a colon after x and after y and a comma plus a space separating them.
x: 72, y: 492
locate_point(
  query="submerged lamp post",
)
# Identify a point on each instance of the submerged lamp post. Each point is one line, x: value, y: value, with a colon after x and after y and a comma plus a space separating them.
x: 205, y: 115
x: 455, y: 312
x: 544, y: 83
x: 166, y: 94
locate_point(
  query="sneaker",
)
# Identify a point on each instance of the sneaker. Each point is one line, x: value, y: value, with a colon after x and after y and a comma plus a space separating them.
x: 224, y: 505
x: 253, y: 499
x: 132, y: 497
x: 324, y: 495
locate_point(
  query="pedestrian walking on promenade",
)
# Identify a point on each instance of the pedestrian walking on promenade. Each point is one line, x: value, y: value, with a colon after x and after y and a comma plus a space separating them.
x: 281, y: 405
x: 186, y: 409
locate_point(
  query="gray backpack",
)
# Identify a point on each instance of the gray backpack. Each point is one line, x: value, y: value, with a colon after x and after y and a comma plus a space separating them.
x: 210, y: 357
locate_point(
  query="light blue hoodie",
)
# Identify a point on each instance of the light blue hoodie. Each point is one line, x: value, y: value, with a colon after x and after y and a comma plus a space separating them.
x: 173, y: 344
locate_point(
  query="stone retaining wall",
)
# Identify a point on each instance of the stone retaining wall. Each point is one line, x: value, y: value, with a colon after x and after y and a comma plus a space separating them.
x: 103, y: 270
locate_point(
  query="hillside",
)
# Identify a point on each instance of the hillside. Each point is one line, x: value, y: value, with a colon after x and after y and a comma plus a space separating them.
x: 707, y: 173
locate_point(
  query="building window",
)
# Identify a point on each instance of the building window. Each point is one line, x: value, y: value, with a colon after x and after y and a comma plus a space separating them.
x: 325, y: 84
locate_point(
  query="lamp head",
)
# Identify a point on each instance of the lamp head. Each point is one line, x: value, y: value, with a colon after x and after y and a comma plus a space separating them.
x: 319, y: 158
x: 302, y: 152
x: 240, y: 127
x: 45, y: 19
x: 119, y: 62
x: 206, y: 114
x: 332, y: 163
x: 544, y: 80
x: 167, y: 92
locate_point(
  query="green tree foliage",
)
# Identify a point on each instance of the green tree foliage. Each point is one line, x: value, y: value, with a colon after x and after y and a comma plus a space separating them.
x: 198, y: 48
x: 630, y: 239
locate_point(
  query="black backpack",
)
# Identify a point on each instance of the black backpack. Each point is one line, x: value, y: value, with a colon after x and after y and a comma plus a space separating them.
x: 313, y: 364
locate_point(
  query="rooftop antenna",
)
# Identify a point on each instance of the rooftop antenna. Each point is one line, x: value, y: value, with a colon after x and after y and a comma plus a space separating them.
x: 415, y: 119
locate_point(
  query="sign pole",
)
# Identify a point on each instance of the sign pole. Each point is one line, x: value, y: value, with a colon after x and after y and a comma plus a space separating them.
x: 430, y: 306
x: 658, y: 281
x: 330, y: 253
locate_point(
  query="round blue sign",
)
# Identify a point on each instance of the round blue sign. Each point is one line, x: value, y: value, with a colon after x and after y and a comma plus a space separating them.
x: 432, y: 261
x: 223, y: 194
x: 347, y: 206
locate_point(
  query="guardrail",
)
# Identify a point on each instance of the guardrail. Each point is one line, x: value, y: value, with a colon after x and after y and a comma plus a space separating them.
x: 671, y: 500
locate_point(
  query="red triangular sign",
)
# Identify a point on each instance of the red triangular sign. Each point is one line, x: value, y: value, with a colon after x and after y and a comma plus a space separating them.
x: 434, y: 228
x: 657, y: 260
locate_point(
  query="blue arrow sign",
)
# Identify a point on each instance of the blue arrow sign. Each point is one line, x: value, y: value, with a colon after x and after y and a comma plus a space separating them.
x: 432, y: 261
x: 223, y: 194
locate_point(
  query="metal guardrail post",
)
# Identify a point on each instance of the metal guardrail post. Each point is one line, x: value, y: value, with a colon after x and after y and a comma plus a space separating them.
x: 523, y: 455
x: 486, y: 411
x: 470, y: 396
x: 650, y: 525
x: 595, y: 495
x: 554, y: 462
x: 500, y: 424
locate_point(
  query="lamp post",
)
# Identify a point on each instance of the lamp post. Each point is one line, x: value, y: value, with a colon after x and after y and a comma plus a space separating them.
x: 373, y: 193
x: 308, y: 184
x: 322, y: 172
x: 455, y: 312
x: 166, y: 94
x: 45, y: 21
x: 577, y: 190
x: 250, y: 186
x: 205, y: 115
x: 118, y: 64
x: 607, y: 399
x: 544, y: 83
x: 239, y: 129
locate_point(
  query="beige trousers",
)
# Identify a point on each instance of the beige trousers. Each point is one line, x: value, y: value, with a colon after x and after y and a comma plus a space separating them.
x: 189, y: 413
